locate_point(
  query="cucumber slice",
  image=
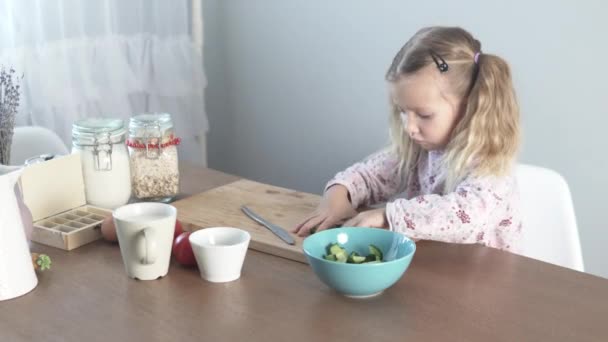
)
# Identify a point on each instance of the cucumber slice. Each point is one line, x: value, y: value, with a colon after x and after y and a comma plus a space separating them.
x: 370, y: 258
x: 334, y: 249
x: 330, y: 257
x: 358, y: 259
x: 376, y: 251
x: 341, y: 256
x: 351, y: 258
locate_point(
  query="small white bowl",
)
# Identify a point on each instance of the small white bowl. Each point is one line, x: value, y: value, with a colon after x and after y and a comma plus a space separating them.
x: 220, y: 252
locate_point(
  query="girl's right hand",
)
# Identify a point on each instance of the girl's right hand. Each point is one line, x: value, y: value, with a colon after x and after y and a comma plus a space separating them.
x: 334, y: 209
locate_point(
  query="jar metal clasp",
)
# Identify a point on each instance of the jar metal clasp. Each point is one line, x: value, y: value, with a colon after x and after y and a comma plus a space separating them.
x: 155, y: 151
x: 102, y: 153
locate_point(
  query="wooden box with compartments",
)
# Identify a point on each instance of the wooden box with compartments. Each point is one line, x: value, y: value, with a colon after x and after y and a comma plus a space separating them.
x: 54, y: 192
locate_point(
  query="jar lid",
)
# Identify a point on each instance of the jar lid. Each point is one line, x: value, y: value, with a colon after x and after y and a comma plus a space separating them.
x: 91, y: 131
x: 150, y: 124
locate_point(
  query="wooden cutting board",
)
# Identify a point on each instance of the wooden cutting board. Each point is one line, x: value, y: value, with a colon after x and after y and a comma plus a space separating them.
x: 221, y: 207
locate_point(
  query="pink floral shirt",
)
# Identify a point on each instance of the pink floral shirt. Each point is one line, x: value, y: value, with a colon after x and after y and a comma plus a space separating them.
x: 483, y: 210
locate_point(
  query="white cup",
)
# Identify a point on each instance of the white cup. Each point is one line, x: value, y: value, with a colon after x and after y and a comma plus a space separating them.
x: 145, y: 235
x: 220, y: 252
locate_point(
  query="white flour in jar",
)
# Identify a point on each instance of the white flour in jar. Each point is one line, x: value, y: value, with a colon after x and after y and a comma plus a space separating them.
x: 154, y: 178
x: 106, y: 189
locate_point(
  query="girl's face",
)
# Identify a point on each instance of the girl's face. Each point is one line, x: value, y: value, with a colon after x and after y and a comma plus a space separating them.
x: 428, y: 110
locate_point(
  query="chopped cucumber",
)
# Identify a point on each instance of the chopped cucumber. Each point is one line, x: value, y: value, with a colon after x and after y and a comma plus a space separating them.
x: 341, y: 256
x: 330, y: 257
x: 334, y: 248
x: 355, y: 258
x: 376, y: 251
x: 370, y: 258
x: 338, y: 254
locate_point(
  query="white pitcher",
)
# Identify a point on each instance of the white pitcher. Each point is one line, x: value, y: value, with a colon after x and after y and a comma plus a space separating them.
x: 17, y: 275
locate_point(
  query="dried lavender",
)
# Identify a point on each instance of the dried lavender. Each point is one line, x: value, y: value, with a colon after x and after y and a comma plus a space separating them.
x: 9, y: 101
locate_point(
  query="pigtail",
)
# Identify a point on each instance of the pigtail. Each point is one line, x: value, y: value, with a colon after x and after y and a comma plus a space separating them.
x: 486, y: 139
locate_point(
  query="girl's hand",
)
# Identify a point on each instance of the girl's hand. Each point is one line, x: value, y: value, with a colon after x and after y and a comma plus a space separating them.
x: 334, y: 209
x: 375, y: 218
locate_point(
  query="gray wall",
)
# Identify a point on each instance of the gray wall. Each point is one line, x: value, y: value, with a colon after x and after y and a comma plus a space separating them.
x: 296, y: 88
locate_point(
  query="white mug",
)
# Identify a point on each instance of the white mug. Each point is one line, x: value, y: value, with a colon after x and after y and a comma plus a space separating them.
x: 145, y: 235
x: 220, y: 252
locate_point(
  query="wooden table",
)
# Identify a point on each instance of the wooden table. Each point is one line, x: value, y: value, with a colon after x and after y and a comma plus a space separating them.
x: 450, y: 293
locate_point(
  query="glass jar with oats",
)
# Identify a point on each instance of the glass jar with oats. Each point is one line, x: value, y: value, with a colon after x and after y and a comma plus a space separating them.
x: 153, y: 152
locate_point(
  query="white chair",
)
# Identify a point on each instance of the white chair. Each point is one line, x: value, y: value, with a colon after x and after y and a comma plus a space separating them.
x: 29, y: 141
x: 550, y: 232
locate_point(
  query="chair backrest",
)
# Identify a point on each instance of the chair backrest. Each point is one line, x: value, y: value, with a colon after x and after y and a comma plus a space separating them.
x: 550, y: 232
x: 29, y: 141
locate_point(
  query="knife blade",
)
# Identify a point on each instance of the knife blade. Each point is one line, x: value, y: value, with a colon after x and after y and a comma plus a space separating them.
x: 278, y: 231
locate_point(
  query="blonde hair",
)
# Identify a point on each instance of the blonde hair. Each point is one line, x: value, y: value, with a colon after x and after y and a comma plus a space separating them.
x: 486, y: 138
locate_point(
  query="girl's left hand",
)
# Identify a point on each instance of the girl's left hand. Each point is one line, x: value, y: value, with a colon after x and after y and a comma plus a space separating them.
x: 375, y: 218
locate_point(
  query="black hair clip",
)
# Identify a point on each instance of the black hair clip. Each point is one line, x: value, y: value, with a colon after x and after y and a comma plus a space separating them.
x: 441, y: 64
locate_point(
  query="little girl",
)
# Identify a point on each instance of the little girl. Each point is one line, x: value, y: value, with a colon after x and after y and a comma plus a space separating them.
x: 454, y: 133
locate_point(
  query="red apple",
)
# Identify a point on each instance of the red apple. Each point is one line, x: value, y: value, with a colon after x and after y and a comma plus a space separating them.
x: 108, y: 230
x: 178, y: 229
x: 182, y: 250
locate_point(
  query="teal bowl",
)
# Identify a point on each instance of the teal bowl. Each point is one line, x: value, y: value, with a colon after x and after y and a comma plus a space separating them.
x: 359, y: 280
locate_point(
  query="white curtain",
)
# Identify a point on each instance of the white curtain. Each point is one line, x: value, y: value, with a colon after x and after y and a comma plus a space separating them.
x: 107, y: 58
